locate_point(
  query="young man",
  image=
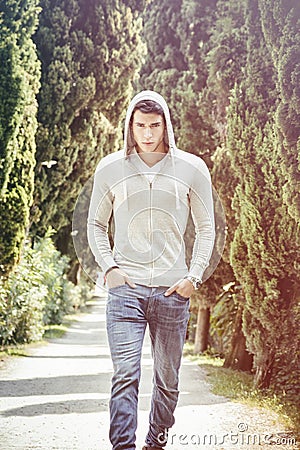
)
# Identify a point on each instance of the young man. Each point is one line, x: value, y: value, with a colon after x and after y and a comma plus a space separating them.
x: 148, y: 188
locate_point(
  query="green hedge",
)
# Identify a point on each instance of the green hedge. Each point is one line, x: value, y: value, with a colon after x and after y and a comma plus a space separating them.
x: 36, y: 293
x: 19, y: 85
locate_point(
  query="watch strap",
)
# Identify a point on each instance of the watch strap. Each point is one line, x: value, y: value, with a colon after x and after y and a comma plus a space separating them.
x: 196, y: 282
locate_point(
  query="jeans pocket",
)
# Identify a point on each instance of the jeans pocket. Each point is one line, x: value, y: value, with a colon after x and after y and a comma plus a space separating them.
x: 114, y: 288
x: 115, y: 299
x: 180, y: 297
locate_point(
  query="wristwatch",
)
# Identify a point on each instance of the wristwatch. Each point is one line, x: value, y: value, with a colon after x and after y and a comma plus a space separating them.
x: 195, y: 281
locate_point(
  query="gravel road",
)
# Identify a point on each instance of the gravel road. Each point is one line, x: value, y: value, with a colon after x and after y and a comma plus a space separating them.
x: 57, y: 397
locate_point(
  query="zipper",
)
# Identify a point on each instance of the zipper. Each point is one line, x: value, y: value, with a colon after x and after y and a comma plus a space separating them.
x: 151, y: 233
x: 150, y: 183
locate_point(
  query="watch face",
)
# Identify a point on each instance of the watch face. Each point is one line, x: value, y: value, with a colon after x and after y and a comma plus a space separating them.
x: 196, y: 284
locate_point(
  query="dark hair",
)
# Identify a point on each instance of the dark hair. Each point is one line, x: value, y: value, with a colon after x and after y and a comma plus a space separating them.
x: 148, y: 106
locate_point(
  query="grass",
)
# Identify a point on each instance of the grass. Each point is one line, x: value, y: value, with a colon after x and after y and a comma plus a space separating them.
x: 55, y: 331
x: 19, y: 350
x: 238, y: 386
x: 51, y: 332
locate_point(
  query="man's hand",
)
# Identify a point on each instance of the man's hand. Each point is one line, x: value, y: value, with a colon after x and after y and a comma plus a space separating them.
x: 182, y: 287
x: 116, y: 277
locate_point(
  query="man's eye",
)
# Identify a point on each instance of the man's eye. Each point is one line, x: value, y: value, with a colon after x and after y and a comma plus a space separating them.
x: 155, y: 125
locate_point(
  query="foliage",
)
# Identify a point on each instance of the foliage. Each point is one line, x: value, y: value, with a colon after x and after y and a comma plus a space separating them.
x: 19, y: 84
x: 90, y: 53
x: 263, y: 251
x: 176, y: 50
x: 36, y: 293
x: 222, y: 319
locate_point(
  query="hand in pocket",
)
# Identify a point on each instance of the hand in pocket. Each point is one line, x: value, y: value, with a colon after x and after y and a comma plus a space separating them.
x: 117, y: 277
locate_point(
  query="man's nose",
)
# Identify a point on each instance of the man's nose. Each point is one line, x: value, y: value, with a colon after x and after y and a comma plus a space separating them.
x: 148, y: 132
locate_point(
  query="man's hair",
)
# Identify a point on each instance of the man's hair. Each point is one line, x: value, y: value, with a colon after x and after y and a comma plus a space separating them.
x: 148, y: 106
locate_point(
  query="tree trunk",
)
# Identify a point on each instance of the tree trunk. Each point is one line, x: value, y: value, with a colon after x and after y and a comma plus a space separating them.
x: 238, y: 358
x: 202, y: 329
x: 263, y: 374
x: 75, y: 273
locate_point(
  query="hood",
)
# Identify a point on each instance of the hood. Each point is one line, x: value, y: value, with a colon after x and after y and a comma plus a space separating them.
x: 148, y: 95
x: 170, y: 140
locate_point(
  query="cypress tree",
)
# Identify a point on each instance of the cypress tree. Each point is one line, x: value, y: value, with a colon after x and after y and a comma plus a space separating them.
x: 160, y: 31
x: 280, y: 24
x: 197, y: 133
x: 177, y: 34
x: 90, y: 54
x: 263, y: 252
x: 19, y: 84
x: 248, y: 116
x: 226, y: 59
x: 214, y: 41
x: 164, y: 62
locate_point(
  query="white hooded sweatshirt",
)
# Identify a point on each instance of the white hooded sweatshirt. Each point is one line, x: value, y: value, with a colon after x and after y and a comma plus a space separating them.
x: 150, y: 213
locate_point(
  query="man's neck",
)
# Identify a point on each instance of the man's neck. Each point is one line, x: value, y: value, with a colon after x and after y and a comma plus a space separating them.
x: 151, y: 158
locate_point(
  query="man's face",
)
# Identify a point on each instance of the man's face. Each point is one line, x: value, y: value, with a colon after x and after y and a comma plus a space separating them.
x: 148, y: 132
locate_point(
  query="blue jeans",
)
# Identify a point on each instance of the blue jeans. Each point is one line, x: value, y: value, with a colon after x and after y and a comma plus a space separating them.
x: 128, y: 312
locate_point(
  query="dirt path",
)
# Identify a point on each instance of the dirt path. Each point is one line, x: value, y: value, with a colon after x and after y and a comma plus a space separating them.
x: 57, y: 398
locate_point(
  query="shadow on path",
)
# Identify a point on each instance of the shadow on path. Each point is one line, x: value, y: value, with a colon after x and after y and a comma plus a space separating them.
x: 58, y: 396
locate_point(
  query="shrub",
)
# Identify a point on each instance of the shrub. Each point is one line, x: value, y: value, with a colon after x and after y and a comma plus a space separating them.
x: 36, y: 293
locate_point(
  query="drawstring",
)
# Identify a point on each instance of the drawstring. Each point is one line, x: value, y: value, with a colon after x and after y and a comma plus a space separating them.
x: 175, y: 179
x: 125, y: 192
